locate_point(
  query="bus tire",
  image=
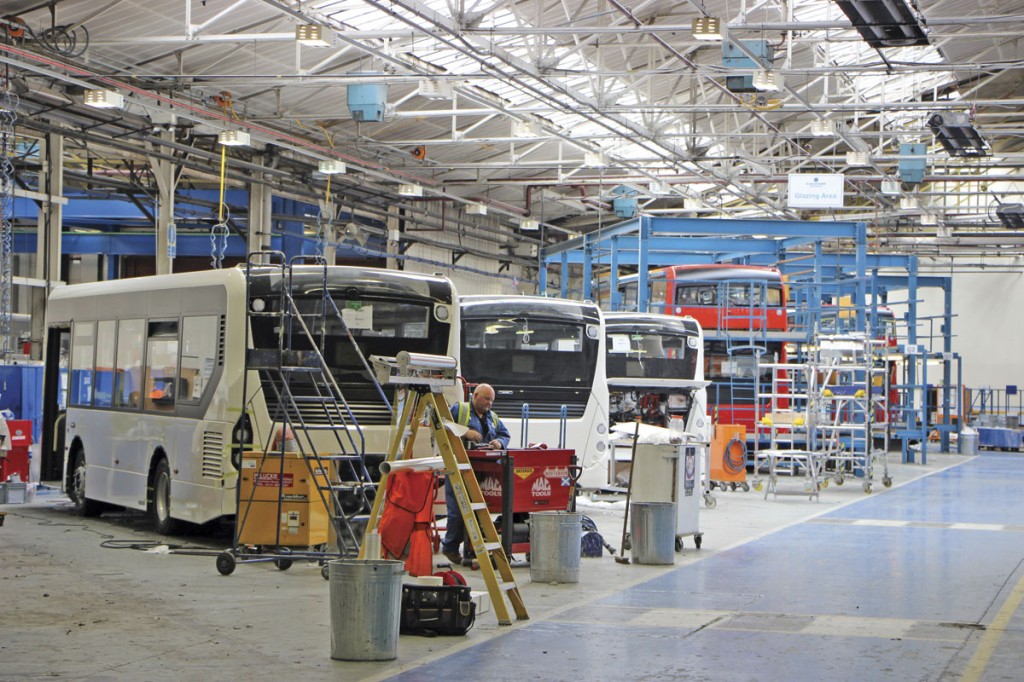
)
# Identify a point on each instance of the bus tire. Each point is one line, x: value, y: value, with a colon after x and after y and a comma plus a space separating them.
x: 76, y: 488
x: 160, y: 500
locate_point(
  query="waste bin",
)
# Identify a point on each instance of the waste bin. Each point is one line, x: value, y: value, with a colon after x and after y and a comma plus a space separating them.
x: 652, y: 529
x: 366, y: 608
x: 968, y: 442
x: 555, y: 546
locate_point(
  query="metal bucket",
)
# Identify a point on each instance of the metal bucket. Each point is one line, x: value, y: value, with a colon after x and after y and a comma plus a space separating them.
x: 968, y: 443
x: 555, y: 546
x: 366, y: 608
x: 652, y: 532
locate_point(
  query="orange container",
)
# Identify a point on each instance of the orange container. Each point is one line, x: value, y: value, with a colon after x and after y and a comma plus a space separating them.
x: 729, y: 454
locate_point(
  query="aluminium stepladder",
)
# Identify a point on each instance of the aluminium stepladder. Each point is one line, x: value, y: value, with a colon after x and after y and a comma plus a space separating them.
x: 420, y: 396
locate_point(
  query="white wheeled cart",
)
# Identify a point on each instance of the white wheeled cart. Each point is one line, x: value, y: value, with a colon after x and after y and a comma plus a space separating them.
x: 671, y: 473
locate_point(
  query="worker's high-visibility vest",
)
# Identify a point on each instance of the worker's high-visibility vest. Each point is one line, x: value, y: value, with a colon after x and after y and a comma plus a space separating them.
x: 465, y: 413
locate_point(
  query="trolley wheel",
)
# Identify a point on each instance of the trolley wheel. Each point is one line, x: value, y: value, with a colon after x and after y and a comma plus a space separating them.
x: 697, y: 539
x: 867, y: 488
x: 758, y: 485
x: 283, y: 564
x: 838, y: 479
x: 709, y: 501
x: 732, y: 486
x: 824, y: 483
x: 225, y: 563
x: 626, y: 544
x: 745, y: 487
x: 324, y: 573
x: 679, y: 544
x: 886, y: 481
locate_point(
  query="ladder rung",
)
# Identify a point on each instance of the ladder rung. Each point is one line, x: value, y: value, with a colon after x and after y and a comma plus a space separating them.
x: 492, y: 546
x: 508, y: 587
x: 478, y: 506
x: 465, y: 466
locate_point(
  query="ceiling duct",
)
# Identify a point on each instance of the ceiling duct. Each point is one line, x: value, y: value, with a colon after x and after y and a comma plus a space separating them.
x: 885, y: 23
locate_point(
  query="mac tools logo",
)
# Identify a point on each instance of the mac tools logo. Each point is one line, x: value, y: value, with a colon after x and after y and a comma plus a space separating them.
x: 541, y: 488
x: 490, y: 487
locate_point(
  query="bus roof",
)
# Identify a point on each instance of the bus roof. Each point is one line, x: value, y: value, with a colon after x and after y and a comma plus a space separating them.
x: 483, y: 305
x: 652, y: 322
x: 720, y: 271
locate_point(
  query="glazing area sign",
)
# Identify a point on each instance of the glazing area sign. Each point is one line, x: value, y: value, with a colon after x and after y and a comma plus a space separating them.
x: 815, y: 190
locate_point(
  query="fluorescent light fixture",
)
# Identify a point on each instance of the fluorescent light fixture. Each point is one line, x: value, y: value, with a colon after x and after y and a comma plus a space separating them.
x: 706, y: 28
x: 891, y: 187
x: 594, y: 159
x: 858, y: 158
x: 313, y: 35
x: 435, y: 89
x: 332, y: 167
x: 660, y: 187
x: 104, y: 99
x: 529, y: 225
x: 888, y: 23
x: 476, y: 208
x: 929, y: 219
x: 524, y: 128
x: 908, y: 203
x: 957, y: 134
x: 823, y: 128
x: 410, y: 190
x: 768, y: 81
x: 233, y: 138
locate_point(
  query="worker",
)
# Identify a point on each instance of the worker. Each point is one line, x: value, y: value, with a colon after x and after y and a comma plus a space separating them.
x: 485, y: 432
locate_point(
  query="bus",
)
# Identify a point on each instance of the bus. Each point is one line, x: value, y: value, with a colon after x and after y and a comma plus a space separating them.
x: 655, y: 370
x: 542, y: 355
x: 143, y: 386
x: 742, y: 311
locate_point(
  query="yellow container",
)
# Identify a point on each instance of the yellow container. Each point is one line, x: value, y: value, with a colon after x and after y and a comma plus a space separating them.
x: 301, y: 518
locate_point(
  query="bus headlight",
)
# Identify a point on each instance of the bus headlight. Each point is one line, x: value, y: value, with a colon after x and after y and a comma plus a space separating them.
x: 691, y: 341
x: 600, y: 446
x: 441, y: 313
x: 258, y: 305
x: 592, y: 331
x: 601, y: 428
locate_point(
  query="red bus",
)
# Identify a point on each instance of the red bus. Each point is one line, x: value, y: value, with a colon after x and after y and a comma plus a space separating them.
x: 742, y: 310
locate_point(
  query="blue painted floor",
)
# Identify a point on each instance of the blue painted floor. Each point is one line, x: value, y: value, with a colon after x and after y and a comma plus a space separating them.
x: 922, y: 583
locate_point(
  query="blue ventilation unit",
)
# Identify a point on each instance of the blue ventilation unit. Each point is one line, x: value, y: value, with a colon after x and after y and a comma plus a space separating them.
x: 366, y: 101
x: 624, y: 207
x: 912, y: 163
x: 735, y: 58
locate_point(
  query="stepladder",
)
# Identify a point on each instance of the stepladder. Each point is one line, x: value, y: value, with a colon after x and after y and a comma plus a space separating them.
x: 420, y: 404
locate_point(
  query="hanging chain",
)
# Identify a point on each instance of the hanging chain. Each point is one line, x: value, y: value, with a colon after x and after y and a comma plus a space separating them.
x: 323, y: 230
x: 8, y: 117
x: 219, y: 239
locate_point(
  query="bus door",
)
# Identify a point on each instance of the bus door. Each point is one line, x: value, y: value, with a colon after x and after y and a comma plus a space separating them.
x: 55, y: 391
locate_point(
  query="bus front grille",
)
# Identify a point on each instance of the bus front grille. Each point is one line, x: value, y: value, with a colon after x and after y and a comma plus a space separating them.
x: 541, y: 409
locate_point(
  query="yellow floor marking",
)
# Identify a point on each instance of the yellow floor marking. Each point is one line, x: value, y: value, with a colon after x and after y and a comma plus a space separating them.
x: 994, y: 632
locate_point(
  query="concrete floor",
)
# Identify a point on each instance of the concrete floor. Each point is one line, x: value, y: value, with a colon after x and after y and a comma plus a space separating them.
x: 922, y: 581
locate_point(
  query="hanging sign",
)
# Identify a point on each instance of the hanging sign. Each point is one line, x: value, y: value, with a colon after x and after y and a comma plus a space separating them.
x: 815, y: 190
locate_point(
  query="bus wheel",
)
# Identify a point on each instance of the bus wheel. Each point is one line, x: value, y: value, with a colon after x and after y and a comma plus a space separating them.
x: 160, y: 500
x: 76, y: 489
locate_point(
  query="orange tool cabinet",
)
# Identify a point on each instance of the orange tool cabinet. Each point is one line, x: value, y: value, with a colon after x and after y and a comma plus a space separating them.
x: 279, y: 503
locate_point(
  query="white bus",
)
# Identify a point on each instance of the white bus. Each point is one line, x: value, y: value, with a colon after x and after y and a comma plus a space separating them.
x: 655, y: 370
x: 542, y: 353
x: 144, y: 376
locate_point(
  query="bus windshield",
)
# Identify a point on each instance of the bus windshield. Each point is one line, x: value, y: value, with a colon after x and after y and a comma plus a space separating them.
x: 650, y: 355
x: 528, y: 352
